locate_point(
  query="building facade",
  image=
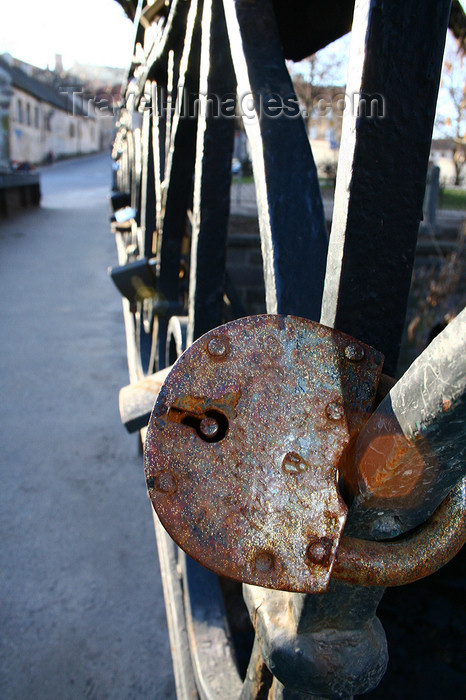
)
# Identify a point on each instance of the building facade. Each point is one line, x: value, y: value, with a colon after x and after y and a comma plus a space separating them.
x: 40, y: 130
x: 42, y: 121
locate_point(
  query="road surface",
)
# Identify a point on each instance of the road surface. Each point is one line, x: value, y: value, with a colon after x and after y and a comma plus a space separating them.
x: 82, y: 612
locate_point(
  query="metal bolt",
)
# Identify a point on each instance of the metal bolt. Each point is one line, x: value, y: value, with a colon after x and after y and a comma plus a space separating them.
x: 319, y: 551
x: 354, y: 352
x: 218, y: 346
x: 208, y: 427
x: 335, y: 410
x: 264, y: 562
x: 165, y: 483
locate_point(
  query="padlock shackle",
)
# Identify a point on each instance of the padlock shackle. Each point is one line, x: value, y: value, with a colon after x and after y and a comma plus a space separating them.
x: 412, y: 557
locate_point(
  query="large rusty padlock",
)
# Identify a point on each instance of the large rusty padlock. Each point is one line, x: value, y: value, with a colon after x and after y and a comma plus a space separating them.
x: 244, y: 442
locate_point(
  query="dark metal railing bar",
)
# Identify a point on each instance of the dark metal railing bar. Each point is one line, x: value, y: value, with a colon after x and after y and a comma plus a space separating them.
x: 396, y: 58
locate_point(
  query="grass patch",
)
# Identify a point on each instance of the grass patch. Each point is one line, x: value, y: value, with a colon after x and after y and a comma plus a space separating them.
x: 452, y: 199
x: 327, y: 183
x: 245, y: 179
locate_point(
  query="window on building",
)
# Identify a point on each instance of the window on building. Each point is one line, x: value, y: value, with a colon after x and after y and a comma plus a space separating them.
x: 72, y: 131
x: 20, y: 111
x: 28, y: 114
x: 36, y: 117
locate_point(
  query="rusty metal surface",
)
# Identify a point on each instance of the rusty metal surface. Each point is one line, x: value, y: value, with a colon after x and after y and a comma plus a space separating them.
x: 243, y: 445
x: 411, y: 558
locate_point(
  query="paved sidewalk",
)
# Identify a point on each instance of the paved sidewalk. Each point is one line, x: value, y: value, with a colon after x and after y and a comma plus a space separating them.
x: 82, y: 613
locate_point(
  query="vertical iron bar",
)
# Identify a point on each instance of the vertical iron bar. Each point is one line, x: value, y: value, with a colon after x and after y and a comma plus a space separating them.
x: 211, y: 206
x: 395, y: 64
x: 179, y: 169
x: 158, y: 139
x: 147, y: 187
x: 291, y: 216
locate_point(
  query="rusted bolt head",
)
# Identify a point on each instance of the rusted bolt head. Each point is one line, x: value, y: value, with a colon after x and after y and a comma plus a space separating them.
x: 319, y: 551
x: 208, y: 427
x: 165, y: 483
x: 218, y: 346
x: 335, y: 410
x: 264, y: 562
x: 354, y: 352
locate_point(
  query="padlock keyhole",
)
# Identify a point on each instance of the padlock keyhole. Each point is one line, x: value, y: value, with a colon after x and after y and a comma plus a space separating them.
x: 212, y: 426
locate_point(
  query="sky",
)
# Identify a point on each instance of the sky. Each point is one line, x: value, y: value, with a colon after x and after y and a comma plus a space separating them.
x: 89, y: 31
